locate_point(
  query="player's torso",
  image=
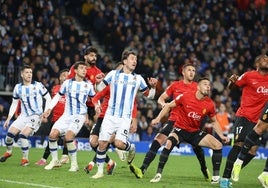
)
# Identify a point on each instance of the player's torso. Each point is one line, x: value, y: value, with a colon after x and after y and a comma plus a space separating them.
x: 254, y: 95
x: 123, y: 88
x: 175, y: 89
x: 192, y: 111
x: 91, y: 74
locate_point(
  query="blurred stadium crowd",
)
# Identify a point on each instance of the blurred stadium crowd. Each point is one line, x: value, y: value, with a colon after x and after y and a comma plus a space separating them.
x: 221, y: 37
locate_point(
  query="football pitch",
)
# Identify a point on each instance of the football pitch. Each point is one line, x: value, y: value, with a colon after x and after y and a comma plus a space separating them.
x: 180, y: 171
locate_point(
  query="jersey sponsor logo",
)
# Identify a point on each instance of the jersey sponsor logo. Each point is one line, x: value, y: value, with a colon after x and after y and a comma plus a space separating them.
x: 262, y: 90
x: 194, y: 115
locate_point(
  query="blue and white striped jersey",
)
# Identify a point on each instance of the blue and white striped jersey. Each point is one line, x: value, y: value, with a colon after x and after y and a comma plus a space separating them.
x: 31, y: 97
x: 124, y: 88
x: 76, y: 94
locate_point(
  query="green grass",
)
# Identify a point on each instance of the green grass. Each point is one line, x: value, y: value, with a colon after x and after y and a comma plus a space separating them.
x: 180, y: 171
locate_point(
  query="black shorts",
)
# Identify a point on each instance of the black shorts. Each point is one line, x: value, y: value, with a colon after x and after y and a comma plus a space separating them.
x: 96, y: 128
x: 168, y: 127
x: 264, y: 114
x: 192, y: 138
x: 242, y: 127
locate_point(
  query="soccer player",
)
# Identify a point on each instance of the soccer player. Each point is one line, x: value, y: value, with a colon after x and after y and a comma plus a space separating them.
x: 175, y: 89
x: 103, y: 95
x: 253, y: 99
x: 193, y: 107
x: 30, y: 94
x: 76, y: 91
x: 57, y: 112
x: 93, y: 74
x: 251, y: 139
x: 124, y: 85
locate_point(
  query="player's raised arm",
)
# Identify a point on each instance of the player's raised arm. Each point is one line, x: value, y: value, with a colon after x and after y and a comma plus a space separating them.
x: 163, y: 112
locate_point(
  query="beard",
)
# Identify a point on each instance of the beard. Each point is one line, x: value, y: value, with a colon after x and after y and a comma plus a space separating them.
x: 264, y: 69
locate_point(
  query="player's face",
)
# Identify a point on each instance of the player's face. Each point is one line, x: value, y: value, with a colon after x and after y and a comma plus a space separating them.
x: 131, y: 62
x: 91, y: 58
x: 81, y: 71
x: 204, y: 87
x: 63, y: 77
x: 27, y: 75
x: 263, y: 63
x: 188, y: 73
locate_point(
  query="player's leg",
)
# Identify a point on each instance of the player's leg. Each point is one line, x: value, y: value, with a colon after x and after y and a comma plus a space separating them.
x: 46, y: 153
x: 158, y: 141
x: 32, y: 124
x: 76, y: 122
x: 64, y: 157
x: 57, y: 129
x: 251, y: 140
x: 12, y: 132
x: 172, y: 141
x: 93, y: 140
x: 121, y: 137
x: 207, y: 140
x: 242, y: 128
x: 108, y: 128
x: 9, y: 140
x: 259, y: 130
x: 199, y: 152
x: 263, y: 177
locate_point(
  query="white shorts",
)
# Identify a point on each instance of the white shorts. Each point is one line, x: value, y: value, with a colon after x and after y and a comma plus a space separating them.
x: 33, y: 122
x: 69, y: 123
x: 111, y: 125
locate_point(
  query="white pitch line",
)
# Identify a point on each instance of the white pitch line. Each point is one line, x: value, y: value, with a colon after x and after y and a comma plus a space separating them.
x: 25, y: 183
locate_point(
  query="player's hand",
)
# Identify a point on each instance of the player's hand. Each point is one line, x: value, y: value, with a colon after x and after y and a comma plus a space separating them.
x: 233, y: 78
x: 152, y: 82
x: 97, y: 109
x: 225, y: 139
x: 6, y: 124
x: 155, y: 122
x: 46, y: 114
x: 133, y: 127
x: 99, y: 77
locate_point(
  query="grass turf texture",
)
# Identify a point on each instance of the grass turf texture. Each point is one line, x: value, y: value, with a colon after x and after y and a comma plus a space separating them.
x: 180, y: 171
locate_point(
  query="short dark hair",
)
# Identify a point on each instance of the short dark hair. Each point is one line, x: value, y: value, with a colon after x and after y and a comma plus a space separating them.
x: 90, y: 49
x: 126, y: 53
x: 64, y: 70
x: 118, y: 64
x: 25, y: 67
x: 76, y: 64
x: 188, y: 64
x: 203, y: 78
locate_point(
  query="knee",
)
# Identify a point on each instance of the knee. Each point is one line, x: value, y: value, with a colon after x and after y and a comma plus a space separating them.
x: 54, y: 135
x: 161, y: 138
x: 93, y: 141
x: 171, y: 142
x: 260, y: 128
x: 119, y: 144
x: 217, y: 146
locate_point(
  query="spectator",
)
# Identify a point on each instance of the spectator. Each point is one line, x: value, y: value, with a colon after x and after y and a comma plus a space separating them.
x: 148, y: 135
